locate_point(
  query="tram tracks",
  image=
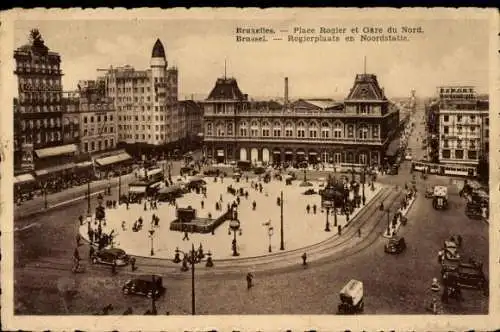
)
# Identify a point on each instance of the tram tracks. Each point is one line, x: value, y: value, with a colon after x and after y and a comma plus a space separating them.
x: 333, y: 249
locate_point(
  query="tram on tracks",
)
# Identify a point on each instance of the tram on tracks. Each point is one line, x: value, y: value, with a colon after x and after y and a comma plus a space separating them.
x: 444, y: 169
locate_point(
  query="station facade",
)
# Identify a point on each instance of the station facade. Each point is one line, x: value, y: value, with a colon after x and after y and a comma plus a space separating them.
x: 357, y: 130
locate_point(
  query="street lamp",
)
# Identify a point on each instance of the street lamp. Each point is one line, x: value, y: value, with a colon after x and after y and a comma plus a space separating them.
x: 193, y: 258
x: 270, y: 232
x: 363, y: 184
x: 234, y: 226
x: 388, y: 222
x: 88, y: 195
x: 119, y: 185
x: 99, y: 211
x: 44, y: 191
x: 151, y: 236
x: 282, y: 243
x: 327, y: 226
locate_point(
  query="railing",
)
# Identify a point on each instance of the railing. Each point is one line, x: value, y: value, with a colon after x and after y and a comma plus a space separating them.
x: 283, y: 113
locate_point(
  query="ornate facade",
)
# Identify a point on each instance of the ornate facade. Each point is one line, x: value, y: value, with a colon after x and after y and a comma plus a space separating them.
x: 38, y: 113
x: 357, y: 130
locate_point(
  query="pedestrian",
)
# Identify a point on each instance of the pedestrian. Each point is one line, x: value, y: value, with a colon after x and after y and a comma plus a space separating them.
x: 186, y: 236
x: 80, y: 218
x: 364, y: 200
x: 113, y: 267
x: 308, y: 208
x: 314, y: 208
x: 249, y: 280
x: 91, y: 252
x: 132, y: 264
x: 359, y: 232
x: 304, y: 259
x: 254, y: 205
x: 202, y: 204
x: 339, y: 230
x: 220, y: 198
x: 78, y: 239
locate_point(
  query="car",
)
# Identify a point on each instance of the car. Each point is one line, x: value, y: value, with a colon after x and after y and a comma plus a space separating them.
x: 408, y: 157
x: 395, y: 245
x: 259, y: 170
x: 108, y: 256
x: 429, y: 192
x: 145, y: 285
x: 351, y: 298
x: 451, y: 251
x: 467, y: 275
x: 309, y: 192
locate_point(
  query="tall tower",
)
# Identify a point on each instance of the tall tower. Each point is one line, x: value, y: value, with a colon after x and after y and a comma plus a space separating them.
x: 159, y: 92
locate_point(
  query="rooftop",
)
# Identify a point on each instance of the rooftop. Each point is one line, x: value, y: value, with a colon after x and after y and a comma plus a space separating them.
x: 227, y: 89
x: 158, y: 50
x: 366, y: 87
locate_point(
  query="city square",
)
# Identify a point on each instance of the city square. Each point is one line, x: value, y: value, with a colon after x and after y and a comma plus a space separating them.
x: 147, y: 186
x: 255, y: 224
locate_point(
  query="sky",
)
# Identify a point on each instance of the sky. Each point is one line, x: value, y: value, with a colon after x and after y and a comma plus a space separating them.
x: 448, y: 52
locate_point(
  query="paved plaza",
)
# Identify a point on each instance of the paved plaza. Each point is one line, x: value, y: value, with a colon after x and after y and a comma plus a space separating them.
x: 300, y: 228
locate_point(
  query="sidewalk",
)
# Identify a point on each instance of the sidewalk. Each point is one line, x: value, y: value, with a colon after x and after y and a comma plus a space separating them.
x: 37, y: 205
x: 394, y: 229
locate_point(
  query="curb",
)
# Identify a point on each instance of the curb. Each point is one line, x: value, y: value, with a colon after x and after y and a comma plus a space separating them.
x: 398, y: 226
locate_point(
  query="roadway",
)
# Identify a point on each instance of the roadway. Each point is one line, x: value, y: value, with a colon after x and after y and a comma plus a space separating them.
x: 393, y: 284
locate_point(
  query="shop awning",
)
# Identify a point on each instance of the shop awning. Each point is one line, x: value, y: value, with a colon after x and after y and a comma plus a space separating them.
x: 301, y: 152
x: 276, y: 152
x: 56, y: 151
x: 137, y: 189
x: 313, y: 153
x: 113, y: 159
x: 288, y: 152
x: 23, y: 178
x: 220, y: 153
x: 54, y: 169
x: 84, y: 164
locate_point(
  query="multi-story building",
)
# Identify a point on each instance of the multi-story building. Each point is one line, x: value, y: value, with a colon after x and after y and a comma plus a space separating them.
x: 463, y: 120
x: 38, y: 113
x: 97, y: 117
x: 146, y: 101
x: 191, y: 116
x: 71, y: 118
x: 357, y: 130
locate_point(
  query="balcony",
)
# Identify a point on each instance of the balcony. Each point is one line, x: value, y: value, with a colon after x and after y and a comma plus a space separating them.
x: 268, y: 113
x: 289, y: 140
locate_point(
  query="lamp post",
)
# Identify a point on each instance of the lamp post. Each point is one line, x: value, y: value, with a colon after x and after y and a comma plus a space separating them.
x: 119, y: 185
x: 388, y: 222
x: 234, y: 226
x: 100, y: 209
x: 363, y: 180
x: 44, y: 191
x: 88, y: 196
x: 192, y: 258
x: 151, y: 236
x: 282, y: 242
x: 327, y: 226
x: 270, y: 232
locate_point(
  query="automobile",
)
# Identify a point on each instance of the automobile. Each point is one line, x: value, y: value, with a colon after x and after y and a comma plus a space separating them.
x: 146, y: 285
x: 408, y: 157
x: 107, y: 256
x: 466, y: 275
x: 394, y: 170
x: 211, y: 172
x: 236, y: 175
x: 429, y: 192
x: 395, y: 245
x: 451, y: 251
x: 259, y: 170
x: 351, y: 298
x: 309, y: 192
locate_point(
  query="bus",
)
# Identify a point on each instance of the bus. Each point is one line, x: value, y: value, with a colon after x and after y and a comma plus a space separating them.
x: 459, y: 170
x: 153, y: 175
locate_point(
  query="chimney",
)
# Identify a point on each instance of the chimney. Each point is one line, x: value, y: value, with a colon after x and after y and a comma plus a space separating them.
x: 286, y: 92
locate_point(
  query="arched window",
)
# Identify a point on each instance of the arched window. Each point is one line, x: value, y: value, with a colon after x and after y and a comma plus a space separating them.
x: 363, y: 131
x: 230, y: 129
x: 325, y: 130
x: 313, y: 130
x: 219, y: 128
x: 288, y: 129
x: 266, y: 131
x: 254, y: 129
x: 337, y: 130
x: 243, y: 128
x: 277, y: 129
x: 301, y: 130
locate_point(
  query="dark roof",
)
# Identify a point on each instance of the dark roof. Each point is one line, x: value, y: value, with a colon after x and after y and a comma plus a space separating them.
x: 158, y: 50
x: 226, y: 88
x: 366, y: 87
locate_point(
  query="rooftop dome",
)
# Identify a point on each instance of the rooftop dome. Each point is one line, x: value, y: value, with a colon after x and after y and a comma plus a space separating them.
x: 158, y: 50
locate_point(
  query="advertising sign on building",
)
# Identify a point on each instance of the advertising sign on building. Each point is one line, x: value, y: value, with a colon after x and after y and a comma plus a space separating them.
x: 27, y: 162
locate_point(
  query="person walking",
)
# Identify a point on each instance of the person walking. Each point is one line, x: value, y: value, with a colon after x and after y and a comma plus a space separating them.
x: 304, y: 259
x: 113, y: 267
x: 91, y: 252
x: 132, y: 264
x: 249, y: 280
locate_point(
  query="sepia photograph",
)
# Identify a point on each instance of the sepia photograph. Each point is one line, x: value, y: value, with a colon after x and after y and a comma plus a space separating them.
x: 247, y: 162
